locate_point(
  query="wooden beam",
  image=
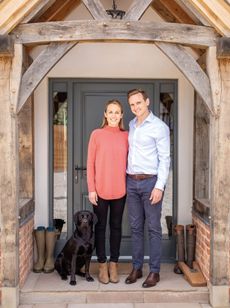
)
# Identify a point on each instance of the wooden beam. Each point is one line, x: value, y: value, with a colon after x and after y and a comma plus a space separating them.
x: 6, y: 46
x: 213, y: 71
x: 16, y: 75
x: 193, y: 13
x: 39, y: 68
x: 43, y: 6
x: 115, y: 30
x: 137, y: 9
x: 96, y: 9
x: 58, y: 11
x: 191, y: 70
x: 174, y: 53
x: 171, y: 11
x: 220, y: 194
x: 223, y: 48
x: 13, y: 12
x: 9, y: 182
x: 216, y: 12
x: 164, y: 13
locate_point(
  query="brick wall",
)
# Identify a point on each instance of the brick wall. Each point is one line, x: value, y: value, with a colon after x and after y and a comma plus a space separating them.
x: 25, y: 250
x: 202, y: 245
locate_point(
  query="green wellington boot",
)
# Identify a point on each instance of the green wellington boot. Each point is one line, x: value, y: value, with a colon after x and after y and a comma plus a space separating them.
x: 51, y: 237
x: 39, y: 235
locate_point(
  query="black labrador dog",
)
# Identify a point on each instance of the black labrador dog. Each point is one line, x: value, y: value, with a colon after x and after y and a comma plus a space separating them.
x: 78, y: 250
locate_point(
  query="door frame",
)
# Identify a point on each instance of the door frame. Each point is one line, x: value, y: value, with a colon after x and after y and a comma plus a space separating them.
x: 68, y: 84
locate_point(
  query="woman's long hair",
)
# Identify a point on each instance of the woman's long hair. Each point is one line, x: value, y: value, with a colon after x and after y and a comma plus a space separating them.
x: 118, y: 103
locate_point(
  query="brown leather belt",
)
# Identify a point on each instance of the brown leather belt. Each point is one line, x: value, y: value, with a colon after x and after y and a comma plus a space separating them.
x: 140, y: 177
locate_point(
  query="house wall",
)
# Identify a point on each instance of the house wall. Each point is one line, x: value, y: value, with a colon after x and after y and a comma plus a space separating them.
x: 116, y: 60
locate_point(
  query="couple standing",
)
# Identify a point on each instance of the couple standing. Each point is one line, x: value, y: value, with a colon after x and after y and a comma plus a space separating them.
x: 148, y: 148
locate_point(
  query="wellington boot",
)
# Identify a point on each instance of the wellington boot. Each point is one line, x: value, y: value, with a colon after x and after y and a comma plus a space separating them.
x: 190, y: 244
x: 169, y: 224
x: 51, y: 237
x: 39, y: 235
x: 113, y: 273
x: 103, y: 275
x: 179, y: 232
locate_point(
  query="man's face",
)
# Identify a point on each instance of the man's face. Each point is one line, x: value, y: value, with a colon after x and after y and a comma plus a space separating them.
x: 138, y: 105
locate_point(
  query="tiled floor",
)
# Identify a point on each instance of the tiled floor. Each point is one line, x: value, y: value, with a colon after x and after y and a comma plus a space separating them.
x: 48, y: 290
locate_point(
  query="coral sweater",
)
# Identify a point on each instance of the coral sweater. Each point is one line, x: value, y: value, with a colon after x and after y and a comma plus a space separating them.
x: 106, y: 162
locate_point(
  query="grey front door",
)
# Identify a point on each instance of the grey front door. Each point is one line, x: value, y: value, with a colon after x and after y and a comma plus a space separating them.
x: 86, y: 100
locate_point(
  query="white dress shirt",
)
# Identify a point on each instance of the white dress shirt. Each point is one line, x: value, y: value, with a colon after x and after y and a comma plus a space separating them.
x: 149, y: 149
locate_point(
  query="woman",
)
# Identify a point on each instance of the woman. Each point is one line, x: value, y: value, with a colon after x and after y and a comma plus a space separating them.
x: 106, y: 177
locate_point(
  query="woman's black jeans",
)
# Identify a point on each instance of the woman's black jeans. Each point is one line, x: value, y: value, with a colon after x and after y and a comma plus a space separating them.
x: 116, y: 207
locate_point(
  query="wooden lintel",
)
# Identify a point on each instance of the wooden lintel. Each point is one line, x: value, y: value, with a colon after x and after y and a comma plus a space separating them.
x: 192, y: 35
x: 6, y: 46
x: 223, y: 47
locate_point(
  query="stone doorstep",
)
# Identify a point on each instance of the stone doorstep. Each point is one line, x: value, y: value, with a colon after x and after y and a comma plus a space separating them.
x: 49, y: 288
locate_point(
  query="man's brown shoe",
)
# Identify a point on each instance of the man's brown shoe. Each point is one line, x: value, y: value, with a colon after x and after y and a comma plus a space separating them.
x: 133, y: 276
x: 151, y: 280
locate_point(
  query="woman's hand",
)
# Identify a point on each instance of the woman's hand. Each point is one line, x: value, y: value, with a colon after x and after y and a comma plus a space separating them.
x: 93, y: 197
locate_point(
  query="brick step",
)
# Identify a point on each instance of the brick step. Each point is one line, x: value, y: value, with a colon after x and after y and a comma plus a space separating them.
x: 49, y: 288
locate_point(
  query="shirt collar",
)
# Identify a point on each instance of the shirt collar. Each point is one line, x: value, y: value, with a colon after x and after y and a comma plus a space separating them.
x: 149, y: 118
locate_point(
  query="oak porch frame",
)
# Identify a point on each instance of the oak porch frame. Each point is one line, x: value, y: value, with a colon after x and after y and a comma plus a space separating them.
x: 107, y: 30
x: 216, y: 104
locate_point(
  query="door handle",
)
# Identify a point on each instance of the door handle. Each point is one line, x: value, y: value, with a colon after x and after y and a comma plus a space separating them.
x: 76, y: 169
x: 80, y: 168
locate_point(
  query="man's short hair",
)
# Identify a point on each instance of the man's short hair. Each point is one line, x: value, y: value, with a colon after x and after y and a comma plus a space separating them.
x: 136, y: 91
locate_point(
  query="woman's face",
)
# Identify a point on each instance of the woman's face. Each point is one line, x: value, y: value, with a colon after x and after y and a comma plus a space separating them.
x: 113, y: 115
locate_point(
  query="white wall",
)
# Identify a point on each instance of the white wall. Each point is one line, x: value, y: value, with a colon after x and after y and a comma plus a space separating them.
x: 116, y: 60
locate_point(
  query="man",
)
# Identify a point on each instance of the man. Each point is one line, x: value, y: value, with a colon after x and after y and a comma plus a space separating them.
x: 147, y: 172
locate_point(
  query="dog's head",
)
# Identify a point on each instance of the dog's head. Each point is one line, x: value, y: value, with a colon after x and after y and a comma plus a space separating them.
x: 84, y: 220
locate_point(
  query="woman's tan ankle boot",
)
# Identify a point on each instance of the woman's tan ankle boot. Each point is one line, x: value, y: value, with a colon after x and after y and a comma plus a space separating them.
x: 103, y: 275
x: 113, y: 274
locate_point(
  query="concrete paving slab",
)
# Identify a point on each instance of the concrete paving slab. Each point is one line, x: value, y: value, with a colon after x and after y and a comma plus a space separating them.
x: 168, y: 305
x: 101, y: 305
x: 53, y: 282
x: 176, y: 297
x: 50, y: 289
x: 51, y: 306
x: 115, y: 297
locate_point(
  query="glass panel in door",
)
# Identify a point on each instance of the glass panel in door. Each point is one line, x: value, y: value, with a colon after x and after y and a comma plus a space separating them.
x: 166, y: 113
x: 60, y: 148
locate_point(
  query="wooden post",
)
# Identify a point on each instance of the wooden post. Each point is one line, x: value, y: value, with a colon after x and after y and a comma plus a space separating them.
x: 10, y: 69
x: 6, y: 46
x: 219, y: 189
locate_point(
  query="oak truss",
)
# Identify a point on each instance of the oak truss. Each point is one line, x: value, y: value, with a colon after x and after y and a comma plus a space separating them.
x: 168, y: 37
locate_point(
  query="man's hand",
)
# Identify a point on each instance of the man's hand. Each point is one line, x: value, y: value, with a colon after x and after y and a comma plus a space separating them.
x: 156, y: 195
x: 93, y: 197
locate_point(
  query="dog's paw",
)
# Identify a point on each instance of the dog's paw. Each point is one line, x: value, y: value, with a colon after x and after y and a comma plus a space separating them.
x: 73, y: 283
x: 64, y: 277
x: 89, y: 278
